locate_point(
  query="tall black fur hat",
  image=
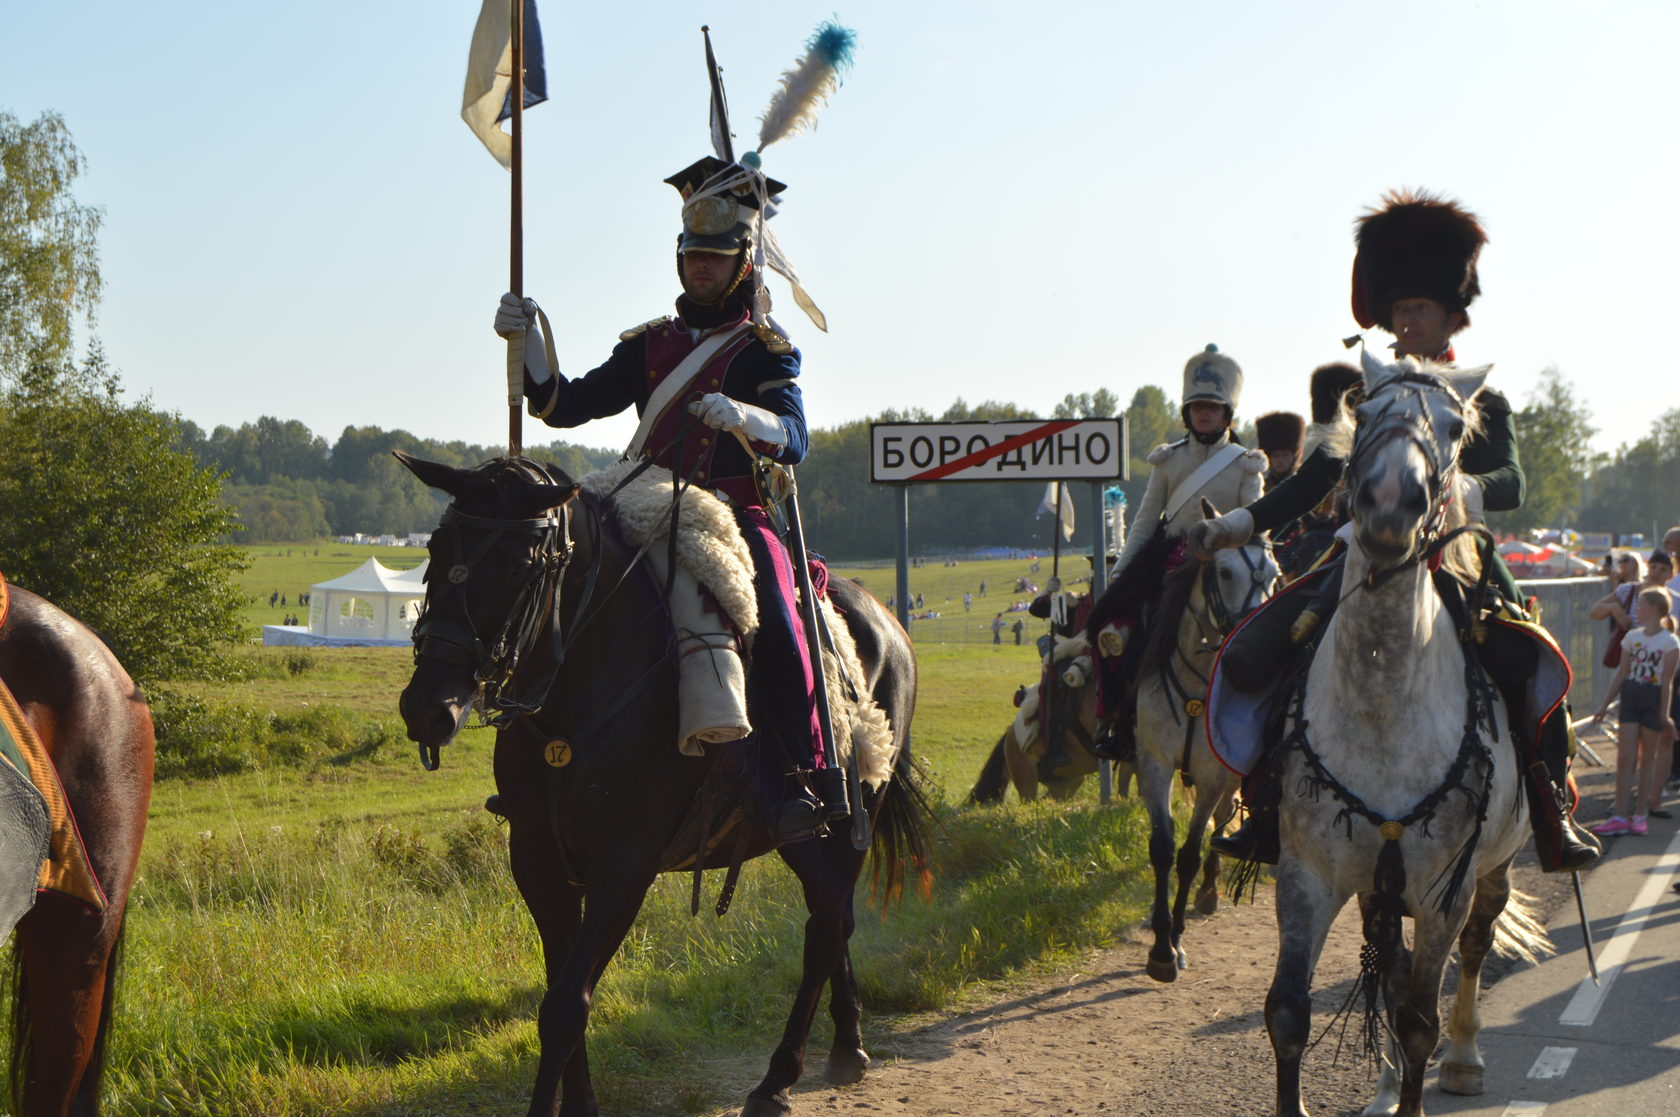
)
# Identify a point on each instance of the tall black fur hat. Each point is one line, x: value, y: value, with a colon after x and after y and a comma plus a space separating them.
x: 1416, y: 245
x: 1329, y: 384
x: 1280, y: 430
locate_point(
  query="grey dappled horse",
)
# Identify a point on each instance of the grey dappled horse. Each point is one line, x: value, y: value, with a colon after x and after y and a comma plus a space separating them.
x: 1396, y: 788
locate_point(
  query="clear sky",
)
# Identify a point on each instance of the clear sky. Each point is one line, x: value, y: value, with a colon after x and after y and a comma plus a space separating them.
x: 1005, y: 201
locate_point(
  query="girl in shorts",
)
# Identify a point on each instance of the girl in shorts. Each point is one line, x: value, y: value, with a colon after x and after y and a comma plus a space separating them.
x: 1645, y: 682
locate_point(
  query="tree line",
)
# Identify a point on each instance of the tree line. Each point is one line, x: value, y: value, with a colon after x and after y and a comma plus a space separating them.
x: 125, y: 515
x: 286, y: 483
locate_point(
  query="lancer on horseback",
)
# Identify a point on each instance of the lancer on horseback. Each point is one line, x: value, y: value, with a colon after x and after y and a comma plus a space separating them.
x: 716, y: 387
x: 636, y: 639
x: 1415, y: 276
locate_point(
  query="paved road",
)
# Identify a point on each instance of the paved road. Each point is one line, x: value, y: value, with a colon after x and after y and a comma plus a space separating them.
x: 1558, y: 1045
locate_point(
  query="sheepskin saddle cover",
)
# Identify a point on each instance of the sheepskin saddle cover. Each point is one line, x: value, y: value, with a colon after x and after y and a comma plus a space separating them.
x: 710, y: 547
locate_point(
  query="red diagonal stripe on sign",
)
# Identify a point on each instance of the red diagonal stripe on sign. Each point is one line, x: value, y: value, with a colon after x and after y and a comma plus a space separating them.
x: 958, y: 465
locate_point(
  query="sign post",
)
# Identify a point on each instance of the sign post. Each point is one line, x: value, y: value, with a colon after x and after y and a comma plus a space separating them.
x: 1063, y: 450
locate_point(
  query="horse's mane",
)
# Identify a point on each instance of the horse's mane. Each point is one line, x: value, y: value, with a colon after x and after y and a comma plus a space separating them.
x: 1161, y: 642
x: 1337, y: 435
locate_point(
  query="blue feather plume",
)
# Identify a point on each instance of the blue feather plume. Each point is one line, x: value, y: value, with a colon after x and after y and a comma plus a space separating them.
x: 807, y: 86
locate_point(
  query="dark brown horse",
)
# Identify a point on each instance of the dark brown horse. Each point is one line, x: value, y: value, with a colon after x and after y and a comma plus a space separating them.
x: 98, y: 730
x: 532, y: 594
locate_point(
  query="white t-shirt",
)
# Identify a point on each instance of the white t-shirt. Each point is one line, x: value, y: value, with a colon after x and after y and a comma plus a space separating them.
x: 1644, y: 654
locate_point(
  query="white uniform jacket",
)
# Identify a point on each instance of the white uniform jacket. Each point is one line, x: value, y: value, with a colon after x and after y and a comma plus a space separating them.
x: 1236, y: 485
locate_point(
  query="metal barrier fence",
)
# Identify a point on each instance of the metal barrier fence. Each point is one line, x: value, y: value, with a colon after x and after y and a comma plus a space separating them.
x: 1564, y: 604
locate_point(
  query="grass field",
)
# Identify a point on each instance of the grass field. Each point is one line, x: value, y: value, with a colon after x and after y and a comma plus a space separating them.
x: 338, y: 933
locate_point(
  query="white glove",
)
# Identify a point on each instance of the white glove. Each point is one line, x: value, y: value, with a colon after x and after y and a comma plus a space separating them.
x: 721, y: 413
x: 1233, y: 529
x: 516, y: 316
x: 1469, y: 490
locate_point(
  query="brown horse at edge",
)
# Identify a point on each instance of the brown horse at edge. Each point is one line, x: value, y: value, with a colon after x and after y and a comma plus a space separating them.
x: 97, y: 729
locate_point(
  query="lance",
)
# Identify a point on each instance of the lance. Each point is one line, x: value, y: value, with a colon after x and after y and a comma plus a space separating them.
x: 847, y: 786
x: 516, y: 231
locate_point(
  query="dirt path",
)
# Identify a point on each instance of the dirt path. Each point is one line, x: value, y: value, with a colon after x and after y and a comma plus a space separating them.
x: 1108, y: 1040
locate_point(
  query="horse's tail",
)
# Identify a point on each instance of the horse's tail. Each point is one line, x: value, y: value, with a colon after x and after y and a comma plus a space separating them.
x: 901, y: 818
x: 1518, y: 932
x: 994, y: 777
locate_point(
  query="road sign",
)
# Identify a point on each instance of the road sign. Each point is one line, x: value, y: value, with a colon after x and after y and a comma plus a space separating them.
x: 1009, y: 450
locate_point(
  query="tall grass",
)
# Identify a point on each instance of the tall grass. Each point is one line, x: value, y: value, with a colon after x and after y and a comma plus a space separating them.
x: 320, y: 927
x: 363, y: 967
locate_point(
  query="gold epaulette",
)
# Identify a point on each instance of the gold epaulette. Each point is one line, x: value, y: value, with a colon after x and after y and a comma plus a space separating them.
x: 638, y: 331
x: 772, y: 340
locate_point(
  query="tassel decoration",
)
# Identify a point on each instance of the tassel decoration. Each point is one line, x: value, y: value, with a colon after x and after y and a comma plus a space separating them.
x: 808, y: 85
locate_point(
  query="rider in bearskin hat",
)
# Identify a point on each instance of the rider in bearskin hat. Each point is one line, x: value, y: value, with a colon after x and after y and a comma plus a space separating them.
x: 1207, y: 463
x: 1414, y: 275
x: 1280, y: 435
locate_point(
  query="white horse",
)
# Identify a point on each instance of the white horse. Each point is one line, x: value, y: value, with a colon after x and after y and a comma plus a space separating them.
x: 1201, y: 603
x: 1400, y: 782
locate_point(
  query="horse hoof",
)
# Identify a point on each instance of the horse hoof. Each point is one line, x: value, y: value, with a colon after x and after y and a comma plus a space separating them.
x: 1465, y: 1081
x: 1181, y: 958
x: 1163, y: 969
x: 780, y: 1105
x: 1208, y: 902
x: 846, y: 1066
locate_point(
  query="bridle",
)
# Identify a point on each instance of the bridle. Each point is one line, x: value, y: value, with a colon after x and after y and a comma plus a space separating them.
x: 1387, y: 425
x: 495, y: 661
x: 1222, y: 617
x: 1212, y: 629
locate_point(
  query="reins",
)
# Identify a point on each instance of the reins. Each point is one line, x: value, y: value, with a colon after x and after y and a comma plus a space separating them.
x: 1471, y: 771
x: 1211, y: 631
x: 496, y: 662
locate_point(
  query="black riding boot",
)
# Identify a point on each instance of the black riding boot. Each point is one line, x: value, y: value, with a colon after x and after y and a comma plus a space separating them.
x: 1119, y: 744
x: 793, y: 813
x: 1257, y: 838
x: 1563, y: 846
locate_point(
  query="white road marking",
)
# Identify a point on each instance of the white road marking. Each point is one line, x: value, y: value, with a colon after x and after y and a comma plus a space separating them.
x: 1583, y: 1007
x: 1518, y: 1108
x: 1552, y: 1063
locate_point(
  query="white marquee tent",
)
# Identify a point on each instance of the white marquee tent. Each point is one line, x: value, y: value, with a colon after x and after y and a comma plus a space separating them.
x: 372, y: 604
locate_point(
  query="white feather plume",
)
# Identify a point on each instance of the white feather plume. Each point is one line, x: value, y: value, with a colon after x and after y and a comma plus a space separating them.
x: 807, y: 86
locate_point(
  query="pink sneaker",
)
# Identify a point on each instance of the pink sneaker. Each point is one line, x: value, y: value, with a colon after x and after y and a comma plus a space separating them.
x: 1636, y: 824
x: 1612, y: 827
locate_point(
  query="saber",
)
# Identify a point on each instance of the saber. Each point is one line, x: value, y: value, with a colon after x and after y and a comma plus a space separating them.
x: 836, y: 792
x: 1586, y: 928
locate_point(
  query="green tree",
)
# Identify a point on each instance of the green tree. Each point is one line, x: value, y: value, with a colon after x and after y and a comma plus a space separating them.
x: 102, y: 514
x: 1100, y: 404
x: 49, y: 260
x: 1638, y: 489
x: 1554, y: 444
x: 1151, y: 419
